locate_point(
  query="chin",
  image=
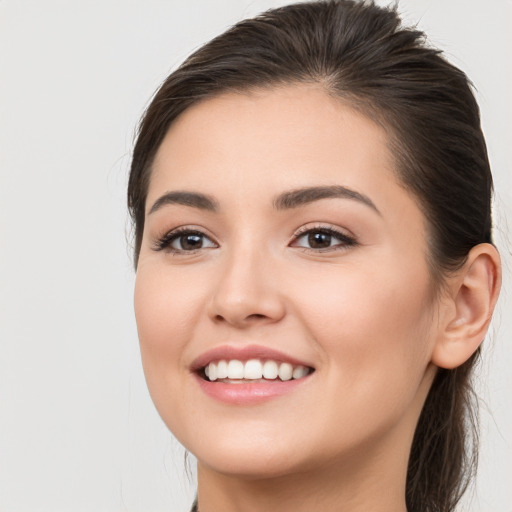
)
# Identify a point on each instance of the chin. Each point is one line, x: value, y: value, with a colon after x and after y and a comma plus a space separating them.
x: 249, y: 465
x: 247, y: 455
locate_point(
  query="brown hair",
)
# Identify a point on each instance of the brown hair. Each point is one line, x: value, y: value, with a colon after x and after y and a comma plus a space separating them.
x: 359, y: 52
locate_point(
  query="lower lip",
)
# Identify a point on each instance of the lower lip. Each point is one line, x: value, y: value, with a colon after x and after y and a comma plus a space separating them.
x: 250, y: 393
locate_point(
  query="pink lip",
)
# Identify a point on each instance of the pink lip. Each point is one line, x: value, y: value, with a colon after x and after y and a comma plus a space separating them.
x: 243, y: 353
x: 250, y: 393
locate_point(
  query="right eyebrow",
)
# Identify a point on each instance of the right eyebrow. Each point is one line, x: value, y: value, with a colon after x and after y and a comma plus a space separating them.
x: 306, y: 195
x: 193, y: 199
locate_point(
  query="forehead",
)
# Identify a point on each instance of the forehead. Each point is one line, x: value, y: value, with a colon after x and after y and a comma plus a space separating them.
x: 297, y: 132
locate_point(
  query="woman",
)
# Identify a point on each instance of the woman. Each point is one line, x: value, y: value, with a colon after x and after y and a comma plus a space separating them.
x: 315, y: 270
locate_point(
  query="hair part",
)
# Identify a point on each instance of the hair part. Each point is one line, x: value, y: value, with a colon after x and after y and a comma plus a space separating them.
x: 360, y: 53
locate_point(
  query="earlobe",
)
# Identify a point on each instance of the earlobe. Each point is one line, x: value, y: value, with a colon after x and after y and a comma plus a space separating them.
x: 473, y: 294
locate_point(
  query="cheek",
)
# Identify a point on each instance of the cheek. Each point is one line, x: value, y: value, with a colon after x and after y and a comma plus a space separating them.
x: 373, y: 333
x: 164, y: 303
x: 166, y: 309
x: 373, y: 326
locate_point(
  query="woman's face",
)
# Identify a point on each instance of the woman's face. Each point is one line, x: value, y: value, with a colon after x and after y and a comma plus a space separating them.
x: 276, y: 232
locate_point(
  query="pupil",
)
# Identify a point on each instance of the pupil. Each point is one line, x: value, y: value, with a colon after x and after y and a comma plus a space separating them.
x: 319, y: 240
x: 191, y: 242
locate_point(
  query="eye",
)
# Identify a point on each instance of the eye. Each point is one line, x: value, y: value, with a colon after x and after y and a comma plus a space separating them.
x: 322, y: 238
x: 184, y: 240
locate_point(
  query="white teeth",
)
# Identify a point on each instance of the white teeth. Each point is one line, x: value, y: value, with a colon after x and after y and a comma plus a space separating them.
x: 222, y: 370
x: 235, y: 369
x: 212, y: 371
x: 270, y: 370
x: 298, y: 372
x: 285, y: 371
x: 253, y: 369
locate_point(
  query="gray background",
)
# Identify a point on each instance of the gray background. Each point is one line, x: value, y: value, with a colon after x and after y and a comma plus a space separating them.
x: 78, y: 431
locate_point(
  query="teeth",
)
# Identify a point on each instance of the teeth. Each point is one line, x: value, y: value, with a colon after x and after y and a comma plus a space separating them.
x: 222, y: 370
x: 235, y: 369
x: 285, y: 371
x: 212, y: 371
x: 254, y: 369
x: 270, y: 370
x: 298, y: 372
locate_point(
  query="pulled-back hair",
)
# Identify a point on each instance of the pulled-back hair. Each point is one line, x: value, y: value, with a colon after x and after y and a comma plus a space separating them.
x: 360, y: 53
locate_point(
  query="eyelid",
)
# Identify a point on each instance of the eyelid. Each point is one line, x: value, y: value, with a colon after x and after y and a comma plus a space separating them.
x: 323, y: 226
x: 347, y: 239
x: 163, y: 242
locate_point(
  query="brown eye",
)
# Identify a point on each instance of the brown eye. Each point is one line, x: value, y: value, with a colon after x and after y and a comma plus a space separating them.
x: 184, y: 240
x: 188, y: 242
x: 319, y: 240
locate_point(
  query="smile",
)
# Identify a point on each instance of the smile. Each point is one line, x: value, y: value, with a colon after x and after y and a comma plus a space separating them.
x: 249, y: 374
x: 237, y: 372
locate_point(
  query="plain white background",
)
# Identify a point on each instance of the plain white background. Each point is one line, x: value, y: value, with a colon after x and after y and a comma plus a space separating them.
x: 78, y: 431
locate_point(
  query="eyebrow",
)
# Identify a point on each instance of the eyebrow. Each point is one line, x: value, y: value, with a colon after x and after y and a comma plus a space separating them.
x: 285, y: 201
x: 303, y: 196
x: 193, y: 199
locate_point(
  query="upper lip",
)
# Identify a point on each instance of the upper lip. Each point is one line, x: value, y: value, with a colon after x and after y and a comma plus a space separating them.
x: 243, y: 353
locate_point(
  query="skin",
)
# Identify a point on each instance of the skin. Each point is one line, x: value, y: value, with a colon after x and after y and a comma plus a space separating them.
x: 363, y: 315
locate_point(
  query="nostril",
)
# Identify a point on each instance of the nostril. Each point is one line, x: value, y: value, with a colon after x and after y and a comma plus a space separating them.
x: 245, y: 310
x: 255, y: 316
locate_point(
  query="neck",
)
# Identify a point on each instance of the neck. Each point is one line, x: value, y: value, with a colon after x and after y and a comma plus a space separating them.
x: 351, y: 486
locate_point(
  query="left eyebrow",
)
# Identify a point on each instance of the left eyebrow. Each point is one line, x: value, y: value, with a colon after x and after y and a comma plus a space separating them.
x: 185, y: 198
x: 303, y: 196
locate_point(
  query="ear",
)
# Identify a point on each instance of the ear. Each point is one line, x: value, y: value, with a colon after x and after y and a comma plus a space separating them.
x: 473, y: 292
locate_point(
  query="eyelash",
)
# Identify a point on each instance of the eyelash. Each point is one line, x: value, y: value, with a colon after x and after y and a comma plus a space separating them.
x: 164, y: 242
x: 345, y: 240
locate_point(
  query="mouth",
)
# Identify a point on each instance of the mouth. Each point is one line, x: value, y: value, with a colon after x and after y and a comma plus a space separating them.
x: 236, y: 371
x: 249, y: 374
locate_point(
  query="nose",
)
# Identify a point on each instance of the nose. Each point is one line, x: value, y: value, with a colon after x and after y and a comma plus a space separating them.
x: 246, y: 291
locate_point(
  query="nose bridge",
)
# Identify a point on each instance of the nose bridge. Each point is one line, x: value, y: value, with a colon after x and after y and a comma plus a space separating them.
x: 245, y: 289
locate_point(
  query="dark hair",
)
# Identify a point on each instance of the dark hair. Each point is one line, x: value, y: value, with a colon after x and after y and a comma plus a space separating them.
x: 360, y: 53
